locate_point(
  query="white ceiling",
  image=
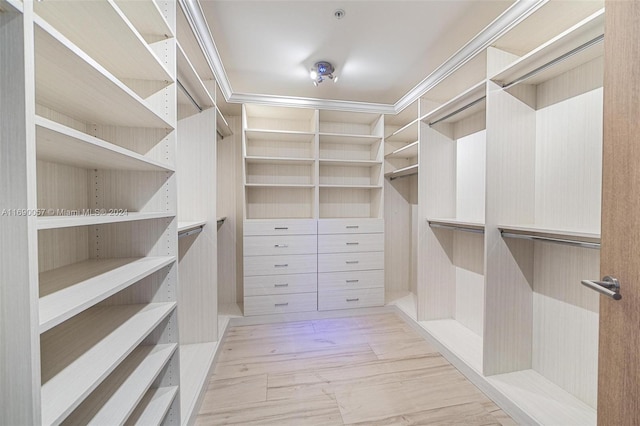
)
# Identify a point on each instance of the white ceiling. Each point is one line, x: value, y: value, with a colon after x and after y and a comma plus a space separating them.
x: 381, y: 49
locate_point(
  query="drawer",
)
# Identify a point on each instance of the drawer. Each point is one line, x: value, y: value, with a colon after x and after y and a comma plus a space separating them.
x: 280, y: 304
x: 331, y: 281
x: 280, y: 265
x: 350, y: 226
x: 346, y: 299
x: 280, y: 284
x: 280, y: 227
x: 339, y: 262
x: 261, y: 245
x: 350, y: 243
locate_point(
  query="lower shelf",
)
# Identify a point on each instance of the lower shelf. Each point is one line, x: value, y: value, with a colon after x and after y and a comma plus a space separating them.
x: 195, y: 362
x: 464, y: 343
x: 543, y: 400
x: 154, y: 406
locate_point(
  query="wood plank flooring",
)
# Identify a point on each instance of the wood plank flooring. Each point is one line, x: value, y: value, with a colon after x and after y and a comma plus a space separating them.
x: 365, y: 370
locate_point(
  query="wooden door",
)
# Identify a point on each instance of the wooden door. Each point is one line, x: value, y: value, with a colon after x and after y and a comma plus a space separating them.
x: 619, y: 347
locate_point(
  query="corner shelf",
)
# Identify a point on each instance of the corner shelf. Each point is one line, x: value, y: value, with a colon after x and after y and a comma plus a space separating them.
x: 457, y: 225
x: 58, y: 143
x: 532, y: 232
x: 117, y: 397
x: 56, y: 222
x: 577, y: 45
x: 154, y: 406
x: 69, y: 290
x: 80, y: 354
x: 101, y: 29
x: 462, y: 106
x: 68, y: 80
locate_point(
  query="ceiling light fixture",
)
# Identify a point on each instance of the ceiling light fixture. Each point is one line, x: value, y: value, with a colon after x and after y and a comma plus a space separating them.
x: 322, y: 70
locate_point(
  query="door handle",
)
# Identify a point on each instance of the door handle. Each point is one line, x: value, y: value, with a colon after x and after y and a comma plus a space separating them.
x: 609, y: 286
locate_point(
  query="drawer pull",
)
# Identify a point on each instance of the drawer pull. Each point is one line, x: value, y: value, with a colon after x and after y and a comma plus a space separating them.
x: 353, y: 244
x: 281, y: 245
x: 282, y: 304
x: 281, y: 228
x: 281, y: 285
x: 353, y: 300
x: 353, y: 226
x: 353, y: 281
x: 284, y: 265
x: 352, y: 262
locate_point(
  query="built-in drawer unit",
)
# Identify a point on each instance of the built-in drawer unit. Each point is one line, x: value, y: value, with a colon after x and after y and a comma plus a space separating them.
x: 279, y: 265
x: 339, y: 262
x: 280, y: 303
x: 280, y: 284
x: 347, y: 299
x: 272, y: 245
x: 336, y: 281
x: 350, y: 243
x: 281, y: 227
x: 350, y: 226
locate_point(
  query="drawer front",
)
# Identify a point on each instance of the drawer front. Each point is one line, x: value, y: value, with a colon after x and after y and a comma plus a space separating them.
x: 280, y: 284
x: 341, y: 262
x: 336, y: 281
x: 280, y: 304
x: 350, y: 243
x: 350, y: 226
x: 261, y: 245
x: 280, y: 265
x: 281, y: 227
x: 346, y: 299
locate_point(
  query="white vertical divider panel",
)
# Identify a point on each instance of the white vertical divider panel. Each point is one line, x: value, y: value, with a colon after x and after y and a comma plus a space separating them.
x: 197, y: 297
x: 510, y: 197
x: 397, y: 229
x: 19, y: 345
x: 316, y: 166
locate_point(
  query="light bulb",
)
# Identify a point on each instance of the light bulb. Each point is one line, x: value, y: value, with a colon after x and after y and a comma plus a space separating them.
x: 313, y: 74
x: 335, y: 79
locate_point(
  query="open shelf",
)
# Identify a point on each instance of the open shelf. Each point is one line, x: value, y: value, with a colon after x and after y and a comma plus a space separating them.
x: 222, y: 126
x: 147, y: 18
x: 339, y: 138
x: 61, y: 144
x: 117, y: 397
x: 278, y: 185
x: 461, y: 341
x: 279, y: 135
x: 104, y: 32
x: 456, y: 225
x: 351, y: 186
x: 462, y: 106
x: 68, y: 81
x: 301, y: 120
x: 404, y: 171
x: 55, y: 222
x: 577, y: 45
x: 196, y: 360
x: 190, y: 226
x: 405, y: 134
x: 279, y: 160
x: 78, y: 355
x: 407, y: 151
x: 69, y: 290
x: 154, y: 406
x: 546, y: 402
x: 350, y: 163
x: 586, y: 239
x: 189, y: 81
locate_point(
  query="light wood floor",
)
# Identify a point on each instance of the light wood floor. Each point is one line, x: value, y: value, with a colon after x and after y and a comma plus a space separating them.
x: 370, y: 370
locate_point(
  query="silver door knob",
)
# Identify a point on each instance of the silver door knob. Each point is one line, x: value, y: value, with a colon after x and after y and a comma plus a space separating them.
x: 609, y: 286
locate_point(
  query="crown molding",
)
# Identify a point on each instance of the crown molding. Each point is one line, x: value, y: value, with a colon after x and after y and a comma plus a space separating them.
x: 517, y: 12
x: 289, y: 101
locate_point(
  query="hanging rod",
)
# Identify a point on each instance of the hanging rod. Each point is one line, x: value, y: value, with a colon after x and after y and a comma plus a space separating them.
x: 555, y: 61
x: 456, y: 228
x: 583, y: 244
x: 195, y: 104
x: 458, y: 111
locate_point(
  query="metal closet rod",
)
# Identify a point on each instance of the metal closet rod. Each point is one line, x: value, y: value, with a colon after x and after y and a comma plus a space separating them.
x: 456, y: 228
x: 458, y: 111
x: 190, y: 232
x: 583, y: 244
x: 193, y: 101
x: 555, y: 61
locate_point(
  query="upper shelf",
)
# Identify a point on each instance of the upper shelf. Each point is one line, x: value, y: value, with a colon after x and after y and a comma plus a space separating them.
x: 577, y: 45
x: 147, y: 17
x: 61, y: 144
x: 96, y: 218
x: 341, y: 138
x: 456, y: 224
x: 279, y: 160
x: 405, y: 171
x: 190, y: 44
x: 407, y: 151
x: 104, y: 32
x: 405, y: 134
x: 349, y: 163
x: 464, y: 105
x: 532, y: 232
x: 222, y: 126
x: 279, y: 135
x: 193, y: 94
x: 70, y: 82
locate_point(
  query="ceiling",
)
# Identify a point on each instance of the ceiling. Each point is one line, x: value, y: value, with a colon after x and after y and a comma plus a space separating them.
x: 381, y: 49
